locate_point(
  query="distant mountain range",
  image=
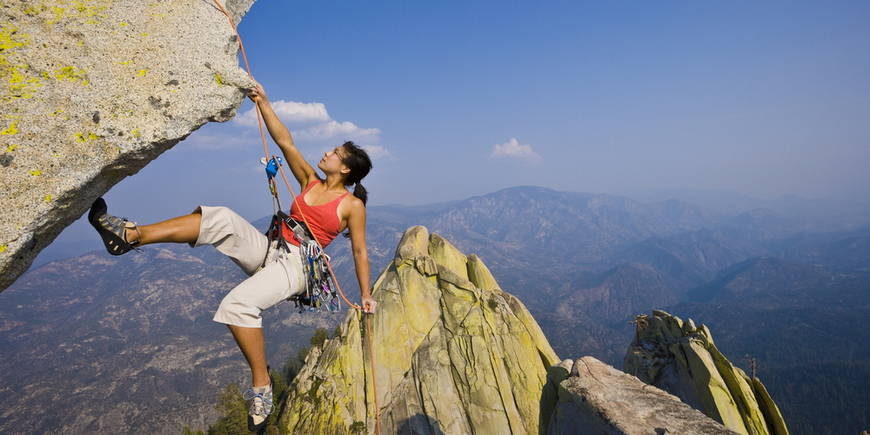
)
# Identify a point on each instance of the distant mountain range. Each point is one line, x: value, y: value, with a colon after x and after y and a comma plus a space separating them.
x: 127, y: 343
x: 809, y: 214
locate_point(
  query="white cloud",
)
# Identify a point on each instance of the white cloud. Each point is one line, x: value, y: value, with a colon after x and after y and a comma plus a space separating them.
x: 378, y: 152
x: 290, y: 112
x: 300, y: 112
x: 311, y: 122
x: 343, y: 131
x: 514, y: 149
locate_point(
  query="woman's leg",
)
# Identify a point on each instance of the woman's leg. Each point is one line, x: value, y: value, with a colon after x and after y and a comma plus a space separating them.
x: 182, y: 229
x: 240, y: 309
x: 253, y: 347
x: 121, y: 236
x: 220, y: 227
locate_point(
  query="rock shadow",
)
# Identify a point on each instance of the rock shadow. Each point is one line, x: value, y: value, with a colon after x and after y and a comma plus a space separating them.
x: 420, y: 424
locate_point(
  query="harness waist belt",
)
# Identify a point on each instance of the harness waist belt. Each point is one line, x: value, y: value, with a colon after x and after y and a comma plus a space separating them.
x: 299, y: 229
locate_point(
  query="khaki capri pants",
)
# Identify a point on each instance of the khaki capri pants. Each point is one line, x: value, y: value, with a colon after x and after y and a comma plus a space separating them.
x: 278, y: 280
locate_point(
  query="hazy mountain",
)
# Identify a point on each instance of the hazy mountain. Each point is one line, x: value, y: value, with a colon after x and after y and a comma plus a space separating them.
x: 842, y: 251
x: 533, y: 228
x: 687, y: 259
x: 729, y: 202
x: 615, y: 294
x: 99, y: 343
x: 807, y: 214
x: 761, y: 277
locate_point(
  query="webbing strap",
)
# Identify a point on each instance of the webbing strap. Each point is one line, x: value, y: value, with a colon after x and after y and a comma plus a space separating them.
x: 300, y: 230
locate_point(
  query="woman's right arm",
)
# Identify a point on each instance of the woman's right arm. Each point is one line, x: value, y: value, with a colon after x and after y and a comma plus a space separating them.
x: 302, y: 171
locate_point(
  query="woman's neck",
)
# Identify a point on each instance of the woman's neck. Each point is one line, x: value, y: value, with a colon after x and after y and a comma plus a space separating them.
x: 334, y: 182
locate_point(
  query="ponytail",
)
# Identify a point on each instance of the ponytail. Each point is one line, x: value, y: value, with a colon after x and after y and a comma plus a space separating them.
x: 359, y: 163
x: 360, y: 192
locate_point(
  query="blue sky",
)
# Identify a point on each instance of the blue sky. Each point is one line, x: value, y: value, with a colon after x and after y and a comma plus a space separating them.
x: 458, y: 99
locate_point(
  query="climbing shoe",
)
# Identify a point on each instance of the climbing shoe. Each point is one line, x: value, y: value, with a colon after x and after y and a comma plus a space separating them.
x: 261, y: 405
x: 113, y: 230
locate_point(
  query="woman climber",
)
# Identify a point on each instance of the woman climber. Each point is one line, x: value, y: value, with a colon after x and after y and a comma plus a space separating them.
x: 274, y: 269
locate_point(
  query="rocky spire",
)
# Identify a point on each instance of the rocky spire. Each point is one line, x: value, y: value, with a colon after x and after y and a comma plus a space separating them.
x: 681, y: 359
x: 453, y: 354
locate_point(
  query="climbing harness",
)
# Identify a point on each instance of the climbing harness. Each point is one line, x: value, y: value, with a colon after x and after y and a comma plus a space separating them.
x: 321, y: 285
x: 277, y: 204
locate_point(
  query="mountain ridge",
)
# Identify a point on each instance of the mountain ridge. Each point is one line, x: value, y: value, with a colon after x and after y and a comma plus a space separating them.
x: 583, y: 307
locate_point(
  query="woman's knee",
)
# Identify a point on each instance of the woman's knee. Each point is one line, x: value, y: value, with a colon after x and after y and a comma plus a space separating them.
x: 238, y: 311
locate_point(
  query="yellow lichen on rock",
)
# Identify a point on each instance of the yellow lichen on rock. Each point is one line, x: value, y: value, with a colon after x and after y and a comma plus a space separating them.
x: 712, y: 390
x: 72, y: 85
x: 15, y: 74
x: 12, y: 129
x: 10, y: 39
x: 69, y: 73
x: 682, y: 359
x: 448, y: 354
x: 770, y: 410
x: 479, y: 275
x: 447, y: 255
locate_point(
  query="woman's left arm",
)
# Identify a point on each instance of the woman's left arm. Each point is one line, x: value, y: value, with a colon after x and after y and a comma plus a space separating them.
x: 356, y: 224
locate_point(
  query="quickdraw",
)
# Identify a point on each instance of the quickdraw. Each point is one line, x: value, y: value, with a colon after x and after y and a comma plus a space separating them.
x: 321, y: 284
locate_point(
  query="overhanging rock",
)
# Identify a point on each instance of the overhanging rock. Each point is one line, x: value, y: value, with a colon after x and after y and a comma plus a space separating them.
x: 94, y: 90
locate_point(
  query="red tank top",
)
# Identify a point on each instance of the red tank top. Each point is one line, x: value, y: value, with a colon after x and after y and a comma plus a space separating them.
x: 322, y: 219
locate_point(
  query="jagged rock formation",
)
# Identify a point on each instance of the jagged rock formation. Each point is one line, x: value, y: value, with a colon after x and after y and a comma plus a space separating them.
x: 92, y: 91
x: 588, y: 396
x: 453, y: 354
x: 681, y: 359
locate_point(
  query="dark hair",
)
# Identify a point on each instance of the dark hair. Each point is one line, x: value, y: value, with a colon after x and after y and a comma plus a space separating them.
x: 359, y: 163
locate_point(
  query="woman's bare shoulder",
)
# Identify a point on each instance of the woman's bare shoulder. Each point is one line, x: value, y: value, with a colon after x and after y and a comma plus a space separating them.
x: 351, y: 205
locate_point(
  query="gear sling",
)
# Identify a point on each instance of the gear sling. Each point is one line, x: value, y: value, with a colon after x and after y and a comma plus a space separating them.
x: 320, y: 282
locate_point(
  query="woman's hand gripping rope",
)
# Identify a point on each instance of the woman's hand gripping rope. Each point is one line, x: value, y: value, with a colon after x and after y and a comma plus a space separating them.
x: 368, y: 304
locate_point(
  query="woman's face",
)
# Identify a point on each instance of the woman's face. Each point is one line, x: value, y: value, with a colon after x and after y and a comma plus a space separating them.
x: 333, y: 161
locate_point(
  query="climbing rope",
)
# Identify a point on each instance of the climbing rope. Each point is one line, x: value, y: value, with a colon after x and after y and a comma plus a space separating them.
x: 274, y: 192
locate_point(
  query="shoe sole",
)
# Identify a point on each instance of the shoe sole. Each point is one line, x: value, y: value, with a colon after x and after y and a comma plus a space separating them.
x: 114, y: 244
